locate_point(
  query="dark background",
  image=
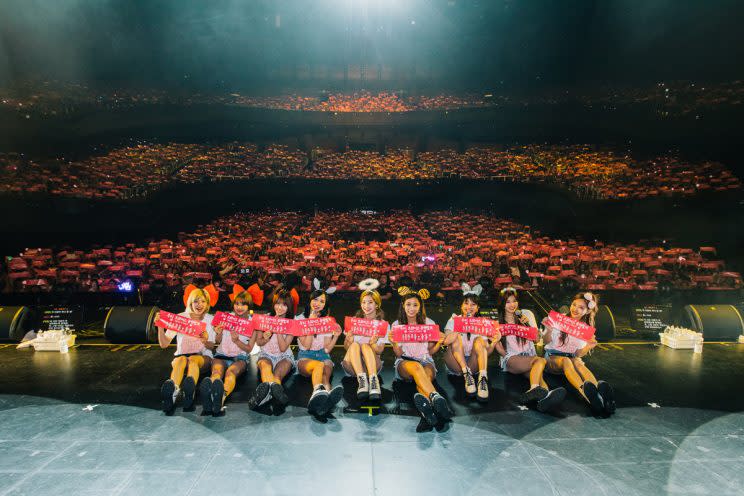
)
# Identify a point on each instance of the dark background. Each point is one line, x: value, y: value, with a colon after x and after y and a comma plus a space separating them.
x: 234, y: 44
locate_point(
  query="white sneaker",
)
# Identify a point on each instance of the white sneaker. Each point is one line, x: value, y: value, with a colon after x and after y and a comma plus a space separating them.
x: 375, y: 393
x: 363, y: 389
x: 483, y: 388
x: 469, y: 382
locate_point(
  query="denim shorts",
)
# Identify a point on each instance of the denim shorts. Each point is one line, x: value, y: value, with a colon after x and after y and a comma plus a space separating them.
x: 319, y: 355
x: 230, y: 360
x: 275, y: 359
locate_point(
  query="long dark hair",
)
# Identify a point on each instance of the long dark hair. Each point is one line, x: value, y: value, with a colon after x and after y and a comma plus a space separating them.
x: 588, y: 317
x: 316, y: 294
x: 504, y: 296
x: 420, y: 317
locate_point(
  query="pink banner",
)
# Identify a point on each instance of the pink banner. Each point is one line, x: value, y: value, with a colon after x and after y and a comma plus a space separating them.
x: 416, y: 333
x: 572, y: 327
x: 181, y: 324
x: 277, y: 325
x: 519, y: 330
x: 233, y: 323
x: 365, y: 327
x: 476, y: 325
x: 306, y: 327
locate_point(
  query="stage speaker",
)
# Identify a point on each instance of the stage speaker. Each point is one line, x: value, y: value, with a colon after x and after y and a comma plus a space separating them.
x: 716, y: 322
x: 14, y: 323
x: 131, y: 325
x: 604, y: 323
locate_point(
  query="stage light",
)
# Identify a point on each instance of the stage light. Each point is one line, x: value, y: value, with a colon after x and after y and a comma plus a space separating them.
x: 126, y: 286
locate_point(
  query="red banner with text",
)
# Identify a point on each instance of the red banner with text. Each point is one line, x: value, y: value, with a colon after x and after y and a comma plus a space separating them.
x: 277, y: 325
x: 416, y: 333
x: 476, y: 325
x: 322, y: 325
x: 519, y: 330
x: 233, y: 323
x: 181, y: 324
x: 571, y: 327
x: 365, y: 327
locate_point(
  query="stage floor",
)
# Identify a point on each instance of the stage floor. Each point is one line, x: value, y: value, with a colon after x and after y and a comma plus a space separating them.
x: 88, y: 422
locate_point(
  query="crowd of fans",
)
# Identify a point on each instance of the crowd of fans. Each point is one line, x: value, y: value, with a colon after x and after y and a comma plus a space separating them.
x: 235, y: 161
x: 142, y: 168
x: 365, y: 101
x: 119, y: 173
x: 57, y: 98
x: 438, y: 249
x: 673, y: 98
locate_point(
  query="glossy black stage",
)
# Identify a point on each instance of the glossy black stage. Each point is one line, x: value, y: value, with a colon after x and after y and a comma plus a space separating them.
x: 88, y: 422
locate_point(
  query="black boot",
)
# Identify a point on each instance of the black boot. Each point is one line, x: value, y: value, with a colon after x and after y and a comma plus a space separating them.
x: 205, y: 391
x: 608, y: 397
x: 551, y: 400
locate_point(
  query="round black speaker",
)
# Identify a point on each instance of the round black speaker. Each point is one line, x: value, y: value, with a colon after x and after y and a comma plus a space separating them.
x: 130, y: 325
x: 722, y: 322
x: 604, y: 323
x: 14, y: 323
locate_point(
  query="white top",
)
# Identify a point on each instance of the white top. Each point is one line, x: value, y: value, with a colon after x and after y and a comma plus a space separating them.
x: 467, y: 343
x: 227, y: 347
x: 318, y: 339
x: 272, y: 347
x: 570, y: 345
x: 365, y: 339
x: 186, y: 345
x: 416, y: 350
x: 513, y: 345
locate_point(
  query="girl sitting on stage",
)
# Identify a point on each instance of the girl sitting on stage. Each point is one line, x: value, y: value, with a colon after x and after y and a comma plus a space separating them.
x: 518, y: 355
x: 414, y: 361
x: 466, y: 352
x: 231, y: 354
x: 313, y: 359
x: 564, y: 352
x: 362, y: 357
x: 192, y: 354
x: 276, y: 360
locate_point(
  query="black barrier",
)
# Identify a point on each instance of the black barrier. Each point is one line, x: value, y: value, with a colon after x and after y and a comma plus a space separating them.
x: 604, y: 323
x: 130, y: 325
x: 716, y: 322
x: 13, y: 323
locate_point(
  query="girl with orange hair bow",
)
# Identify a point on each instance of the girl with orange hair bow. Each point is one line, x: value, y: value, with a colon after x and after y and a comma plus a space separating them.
x: 192, y: 354
x: 231, y: 357
x: 276, y: 360
x: 414, y: 362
